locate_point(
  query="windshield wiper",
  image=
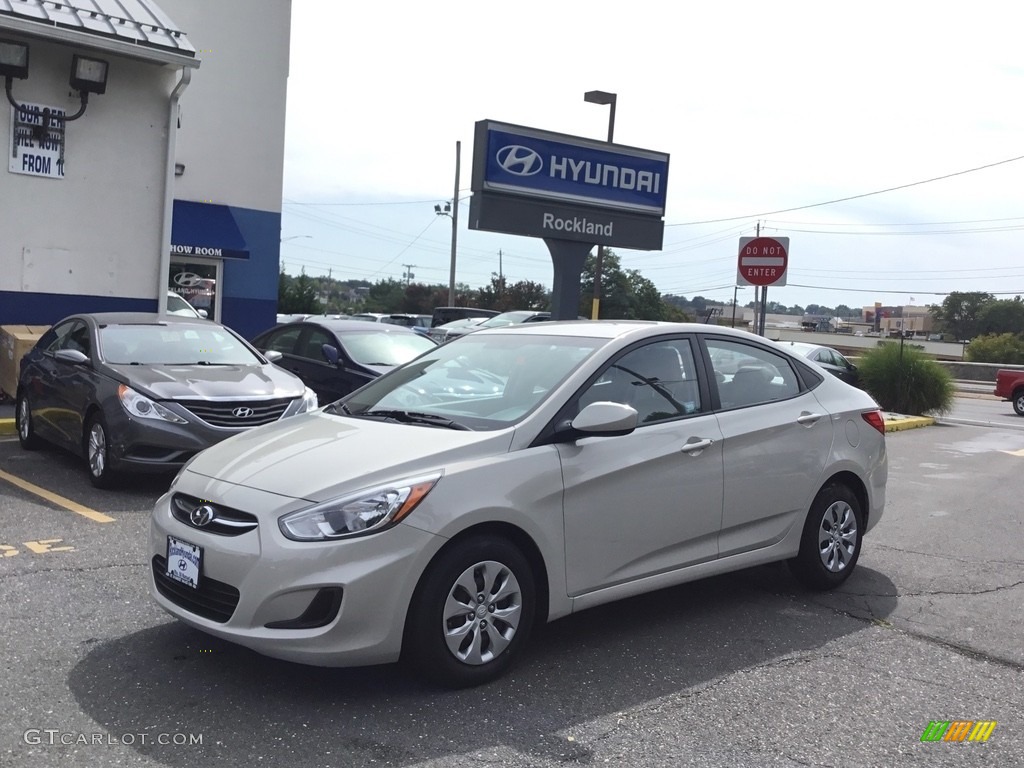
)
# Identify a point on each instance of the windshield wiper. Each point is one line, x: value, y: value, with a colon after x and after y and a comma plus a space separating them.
x: 414, y: 417
x: 335, y: 406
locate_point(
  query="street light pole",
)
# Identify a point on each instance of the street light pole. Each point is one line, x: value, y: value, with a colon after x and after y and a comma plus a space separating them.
x: 601, y: 97
x: 455, y: 224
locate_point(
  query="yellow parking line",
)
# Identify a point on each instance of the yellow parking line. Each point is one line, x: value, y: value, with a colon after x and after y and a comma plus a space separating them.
x: 60, y: 501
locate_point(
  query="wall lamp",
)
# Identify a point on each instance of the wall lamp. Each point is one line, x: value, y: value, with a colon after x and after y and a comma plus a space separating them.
x: 88, y: 75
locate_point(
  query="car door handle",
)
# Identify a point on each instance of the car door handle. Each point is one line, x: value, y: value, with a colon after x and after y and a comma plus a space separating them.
x: 808, y: 419
x: 695, y: 447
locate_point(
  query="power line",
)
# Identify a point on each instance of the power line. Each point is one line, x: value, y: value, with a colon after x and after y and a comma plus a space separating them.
x: 851, y: 197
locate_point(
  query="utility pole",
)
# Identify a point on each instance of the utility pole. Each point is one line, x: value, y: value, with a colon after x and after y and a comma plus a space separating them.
x: 408, y: 273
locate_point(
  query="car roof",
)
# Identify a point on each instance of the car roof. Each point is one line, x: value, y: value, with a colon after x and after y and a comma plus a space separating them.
x: 354, y: 326
x: 803, y: 346
x: 612, y: 329
x: 136, y: 318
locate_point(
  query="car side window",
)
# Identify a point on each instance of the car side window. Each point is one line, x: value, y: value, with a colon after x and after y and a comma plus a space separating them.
x: 284, y: 340
x: 77, y: 338
x: 748, y: 374
x: 659, y: 380
x: 57, y: 336
x: 312, y: 348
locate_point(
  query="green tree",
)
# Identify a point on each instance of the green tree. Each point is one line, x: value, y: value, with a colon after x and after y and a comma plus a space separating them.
x: 298, y: 295
x: 1002, y: 316
x: 1004, y: 348
x: 959, y: 312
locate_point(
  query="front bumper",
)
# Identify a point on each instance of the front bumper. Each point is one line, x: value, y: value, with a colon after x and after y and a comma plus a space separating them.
x: 260, y: 578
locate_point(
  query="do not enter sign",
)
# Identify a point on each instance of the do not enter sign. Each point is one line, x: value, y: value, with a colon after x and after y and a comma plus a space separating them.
x: 763, y: 261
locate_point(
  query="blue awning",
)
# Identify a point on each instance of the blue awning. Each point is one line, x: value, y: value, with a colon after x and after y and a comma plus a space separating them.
x: 204, y: 229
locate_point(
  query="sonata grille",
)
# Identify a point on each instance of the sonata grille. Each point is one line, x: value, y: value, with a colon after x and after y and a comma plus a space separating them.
x: 237, y: 414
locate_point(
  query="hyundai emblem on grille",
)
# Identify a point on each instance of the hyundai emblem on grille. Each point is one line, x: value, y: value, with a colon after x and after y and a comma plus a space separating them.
x: 203, y: 515
x: 242, y: 412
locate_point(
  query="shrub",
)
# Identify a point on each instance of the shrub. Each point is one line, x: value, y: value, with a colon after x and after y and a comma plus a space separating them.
x: 1005, y: 348
x: 905, y: 380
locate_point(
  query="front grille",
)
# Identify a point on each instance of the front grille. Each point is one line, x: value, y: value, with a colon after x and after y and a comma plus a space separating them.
x: 225, y: 522
x: 212, y: 599
x: 237, y: 414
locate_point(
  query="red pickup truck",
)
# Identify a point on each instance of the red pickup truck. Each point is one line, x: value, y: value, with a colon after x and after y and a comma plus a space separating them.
x: 1010, y: 386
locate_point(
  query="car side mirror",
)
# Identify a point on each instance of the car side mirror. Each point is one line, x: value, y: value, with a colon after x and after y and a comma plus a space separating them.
x: 331, y: 353
x: 273, y: 355
x: 605, y: 419
x: 72, y: 356
x: 203, y: 313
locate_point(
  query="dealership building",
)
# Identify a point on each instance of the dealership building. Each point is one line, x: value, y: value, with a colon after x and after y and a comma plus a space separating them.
x: 145, y: 153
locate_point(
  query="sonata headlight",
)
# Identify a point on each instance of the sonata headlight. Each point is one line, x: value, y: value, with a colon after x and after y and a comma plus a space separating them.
x: 142, y: 407
x: 360, y: 513
x: 309, y: 402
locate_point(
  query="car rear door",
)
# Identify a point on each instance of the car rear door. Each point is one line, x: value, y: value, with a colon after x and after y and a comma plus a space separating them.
x: 776, y: 442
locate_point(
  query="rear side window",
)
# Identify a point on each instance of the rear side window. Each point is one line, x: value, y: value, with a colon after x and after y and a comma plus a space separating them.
x: 747, y: 375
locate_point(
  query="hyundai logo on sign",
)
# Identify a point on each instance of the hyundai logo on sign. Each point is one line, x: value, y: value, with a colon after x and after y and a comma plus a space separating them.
x: 534, y: 163
x: 520, y: 161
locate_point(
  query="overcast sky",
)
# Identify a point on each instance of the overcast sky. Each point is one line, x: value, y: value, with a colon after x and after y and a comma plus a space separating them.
x: 767, y: 110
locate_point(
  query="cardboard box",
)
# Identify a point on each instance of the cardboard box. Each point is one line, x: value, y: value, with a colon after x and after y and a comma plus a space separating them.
x: 15, y: 342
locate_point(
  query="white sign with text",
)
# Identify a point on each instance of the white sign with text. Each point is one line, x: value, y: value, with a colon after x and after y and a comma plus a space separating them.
x: 37, y: 132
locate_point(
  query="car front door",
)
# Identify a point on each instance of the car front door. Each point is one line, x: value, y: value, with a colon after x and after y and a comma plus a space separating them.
x: 649, y: 502
x: 73, y: 387
x: 776, y: 441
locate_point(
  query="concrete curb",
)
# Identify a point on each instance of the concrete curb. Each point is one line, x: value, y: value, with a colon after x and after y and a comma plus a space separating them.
x: 895, y: 422
x: 6, y: 427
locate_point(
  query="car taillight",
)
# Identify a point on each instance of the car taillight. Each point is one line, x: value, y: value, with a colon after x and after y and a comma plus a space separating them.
x: 875, y: 419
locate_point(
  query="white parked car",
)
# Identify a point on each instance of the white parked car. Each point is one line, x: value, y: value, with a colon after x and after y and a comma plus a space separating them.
x: 609, y: 459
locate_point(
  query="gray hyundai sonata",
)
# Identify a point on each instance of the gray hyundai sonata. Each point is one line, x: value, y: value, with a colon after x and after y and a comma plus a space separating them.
x: 146, y: 392
x: 609, y: 459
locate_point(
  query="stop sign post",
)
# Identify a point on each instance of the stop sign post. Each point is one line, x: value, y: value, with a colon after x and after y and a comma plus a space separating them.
x: 762, y: 261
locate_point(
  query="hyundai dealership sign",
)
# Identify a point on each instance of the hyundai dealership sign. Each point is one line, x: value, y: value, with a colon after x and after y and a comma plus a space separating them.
x: 542, y: 184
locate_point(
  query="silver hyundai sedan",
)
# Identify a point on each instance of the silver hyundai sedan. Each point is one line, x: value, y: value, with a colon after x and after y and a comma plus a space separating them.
x: 608, y: 459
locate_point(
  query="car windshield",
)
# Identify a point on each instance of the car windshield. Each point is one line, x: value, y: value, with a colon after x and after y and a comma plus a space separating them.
x: 385, y: 348
x: 173, y: 344
x: 483, y: 381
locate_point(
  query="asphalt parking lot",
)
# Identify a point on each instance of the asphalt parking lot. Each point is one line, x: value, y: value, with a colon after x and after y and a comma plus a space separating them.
x: 741, y: 670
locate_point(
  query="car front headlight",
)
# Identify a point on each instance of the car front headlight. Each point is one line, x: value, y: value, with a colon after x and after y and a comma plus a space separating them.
x: 363, y: 512
x: 309, y: 402
x: 142, y: 407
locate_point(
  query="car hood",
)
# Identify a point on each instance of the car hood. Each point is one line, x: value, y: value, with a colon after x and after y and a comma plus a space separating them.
x: 215, y: 382
x: 317, y: 456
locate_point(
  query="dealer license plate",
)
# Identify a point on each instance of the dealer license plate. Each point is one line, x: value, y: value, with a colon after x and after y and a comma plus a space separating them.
x: 184, y: 561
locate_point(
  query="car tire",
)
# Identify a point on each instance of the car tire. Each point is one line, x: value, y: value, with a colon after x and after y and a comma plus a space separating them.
x: 471, y: 613
x: 1018, y: 402
x: 23, y: 423
x: 96, y: 446
x: 831, y: 541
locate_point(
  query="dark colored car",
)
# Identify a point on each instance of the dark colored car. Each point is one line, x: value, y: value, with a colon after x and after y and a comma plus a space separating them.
x: 828, y: 358
x: 145, y: 392
x: 336, y: 357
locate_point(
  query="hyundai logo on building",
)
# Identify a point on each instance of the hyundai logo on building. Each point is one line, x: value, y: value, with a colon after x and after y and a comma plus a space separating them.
x: 187, y: 279
x: 519, y: 160
x: 242, y: 412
